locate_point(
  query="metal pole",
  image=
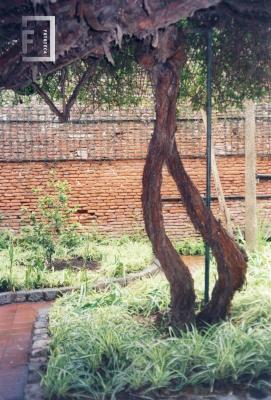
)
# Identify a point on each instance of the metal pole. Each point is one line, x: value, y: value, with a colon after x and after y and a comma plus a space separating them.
x: 208, y: 155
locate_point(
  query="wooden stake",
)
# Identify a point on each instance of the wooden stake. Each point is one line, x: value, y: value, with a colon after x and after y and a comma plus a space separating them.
x: 218, y: 186
x: 250, y: 177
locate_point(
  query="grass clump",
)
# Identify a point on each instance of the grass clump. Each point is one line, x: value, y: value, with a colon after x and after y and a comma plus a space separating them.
x: 117, y: 256
x: 5, y: 237
x: 109, y: 345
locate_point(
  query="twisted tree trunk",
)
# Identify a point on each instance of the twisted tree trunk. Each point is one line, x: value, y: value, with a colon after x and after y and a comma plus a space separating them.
x: 164, y: 63
x: 165, y: 77
x: 231, y: 260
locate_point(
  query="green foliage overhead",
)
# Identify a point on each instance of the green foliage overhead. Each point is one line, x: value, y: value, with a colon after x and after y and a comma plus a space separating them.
x: 240, y: 67
x: 111, y: 85
x: 241, y: 70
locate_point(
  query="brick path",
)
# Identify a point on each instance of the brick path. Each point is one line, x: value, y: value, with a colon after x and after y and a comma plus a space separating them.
x: 16, y: 322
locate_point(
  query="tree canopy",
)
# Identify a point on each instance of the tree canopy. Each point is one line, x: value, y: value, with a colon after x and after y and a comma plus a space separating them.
x: 239, y: 27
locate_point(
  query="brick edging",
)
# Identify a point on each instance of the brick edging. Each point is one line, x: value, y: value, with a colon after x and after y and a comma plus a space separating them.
x: 49, y: 294
x: 22, y: 296
x: 38, y: 357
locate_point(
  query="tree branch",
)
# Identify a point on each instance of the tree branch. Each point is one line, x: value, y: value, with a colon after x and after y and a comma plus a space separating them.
x: 86, y: 75
x: 64, y: 115
x: 47, y: 100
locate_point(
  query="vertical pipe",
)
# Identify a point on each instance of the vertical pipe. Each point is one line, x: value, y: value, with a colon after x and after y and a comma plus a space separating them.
x: 208, y: 154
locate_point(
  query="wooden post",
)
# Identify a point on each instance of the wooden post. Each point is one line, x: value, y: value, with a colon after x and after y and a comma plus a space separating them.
x: 218, y: 186
x: 250, y: 176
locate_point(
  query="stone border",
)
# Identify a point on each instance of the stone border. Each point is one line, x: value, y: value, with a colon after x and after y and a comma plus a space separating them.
x: 48, y: 294
x: 38, y: 357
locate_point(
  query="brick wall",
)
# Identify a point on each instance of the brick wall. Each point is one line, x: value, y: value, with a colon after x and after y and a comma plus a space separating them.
x: 32, y: 133
x: 108, y: 192
x: 102, y: 154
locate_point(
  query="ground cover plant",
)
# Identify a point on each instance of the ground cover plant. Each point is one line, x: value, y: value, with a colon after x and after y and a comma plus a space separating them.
x: 117, y: 342
x: 94, y: 256
x: 190, y: 247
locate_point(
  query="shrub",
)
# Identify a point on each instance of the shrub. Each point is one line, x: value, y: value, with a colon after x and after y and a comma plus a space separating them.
x: 52, y: 223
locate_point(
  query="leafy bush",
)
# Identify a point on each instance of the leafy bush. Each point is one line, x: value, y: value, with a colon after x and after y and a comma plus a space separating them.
x: 70, y: 237
x: 51, y: 223
x: 190, y: 247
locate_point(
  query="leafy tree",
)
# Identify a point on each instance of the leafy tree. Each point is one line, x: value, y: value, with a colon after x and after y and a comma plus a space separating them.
x: 90, y: 84
x: 234, y: 79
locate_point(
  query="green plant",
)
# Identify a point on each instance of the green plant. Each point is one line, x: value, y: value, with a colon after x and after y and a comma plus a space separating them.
x: 30, y: 268
x: 35, y: 268
x: 11, y: 258
x: 125, y: 255
x: 70, y: 237
x: 5, y: 236
x: 5, y: 285
x: 7, y: 281
x: 51, y: 223
x: 190, y: 247
x: 263, y: 232
x: 108, y: 343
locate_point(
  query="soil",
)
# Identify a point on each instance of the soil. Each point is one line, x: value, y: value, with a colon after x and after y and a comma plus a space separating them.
x: 75, y: 263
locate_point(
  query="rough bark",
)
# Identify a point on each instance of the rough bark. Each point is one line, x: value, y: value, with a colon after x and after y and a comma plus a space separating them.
x: 165, y: 77
x: 87, y: 28
x: 231, y: 260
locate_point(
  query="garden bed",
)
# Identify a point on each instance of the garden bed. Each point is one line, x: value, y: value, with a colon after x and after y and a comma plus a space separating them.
x: 51, y: 250
x: 117, y: 343
x: 93, y: 258
x: 48, y: 294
